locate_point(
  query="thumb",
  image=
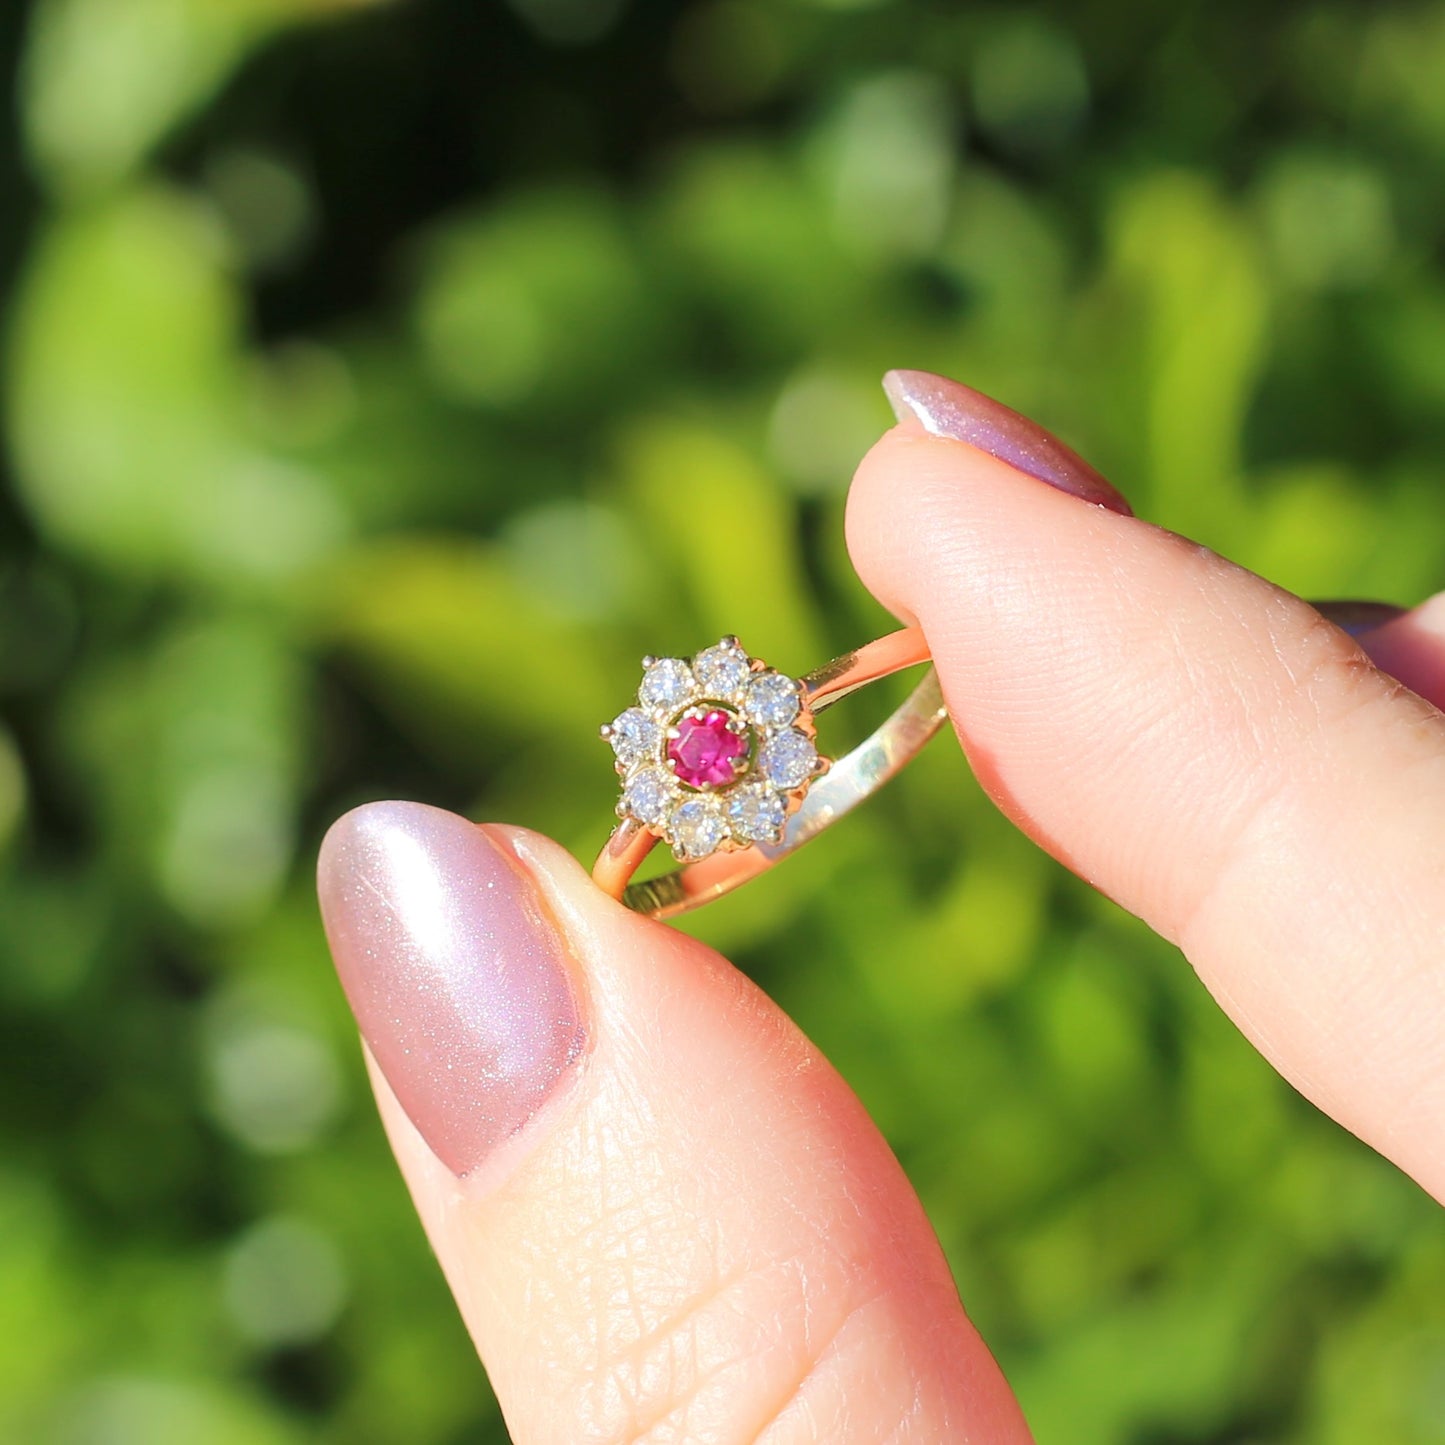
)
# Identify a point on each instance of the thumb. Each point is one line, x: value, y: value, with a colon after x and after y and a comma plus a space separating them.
x: 663, y: 1215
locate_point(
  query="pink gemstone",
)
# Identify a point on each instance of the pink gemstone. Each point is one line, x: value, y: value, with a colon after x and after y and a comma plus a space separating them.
x: 705, y: 749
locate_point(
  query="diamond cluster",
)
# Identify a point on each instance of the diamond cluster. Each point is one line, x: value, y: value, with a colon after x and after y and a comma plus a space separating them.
x: 717, y: 752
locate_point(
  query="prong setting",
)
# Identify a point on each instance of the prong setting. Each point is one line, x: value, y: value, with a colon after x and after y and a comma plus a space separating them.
x: 716, y: 753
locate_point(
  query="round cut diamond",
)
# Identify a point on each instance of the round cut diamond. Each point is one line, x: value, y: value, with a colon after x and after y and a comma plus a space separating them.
x: 721, y: 671
x: 668, y: 683
x: 756, y: 814
x: 647, y: 796
x: 710, y: 748
x: 787, y: 759
x: 772, y: 700
x: 697, y: 828
x: 634, y: 736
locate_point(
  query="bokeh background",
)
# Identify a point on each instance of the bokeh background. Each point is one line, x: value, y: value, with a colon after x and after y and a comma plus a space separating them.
x: 364, y: 369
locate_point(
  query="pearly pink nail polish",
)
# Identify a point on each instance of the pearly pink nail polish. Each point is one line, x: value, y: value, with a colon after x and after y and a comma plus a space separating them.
x: 455, y: 972
x: 949, y: 409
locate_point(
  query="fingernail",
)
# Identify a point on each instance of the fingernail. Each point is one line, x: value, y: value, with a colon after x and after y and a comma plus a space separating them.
x: 454, y: 970
x: 949, y: 409
x: 1356, y: 616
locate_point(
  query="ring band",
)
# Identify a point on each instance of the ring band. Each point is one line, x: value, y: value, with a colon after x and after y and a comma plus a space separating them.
x: 718, y: 760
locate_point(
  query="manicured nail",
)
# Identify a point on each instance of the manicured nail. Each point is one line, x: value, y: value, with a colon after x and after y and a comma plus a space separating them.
x: 950, y: 409
x: 1356, y: 616
x: 454, y: 970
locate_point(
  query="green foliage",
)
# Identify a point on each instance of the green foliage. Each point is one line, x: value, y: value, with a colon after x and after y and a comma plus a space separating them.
x: 360, y: 369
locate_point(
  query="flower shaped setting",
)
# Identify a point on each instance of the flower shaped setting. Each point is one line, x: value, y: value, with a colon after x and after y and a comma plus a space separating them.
x: 717, y: 752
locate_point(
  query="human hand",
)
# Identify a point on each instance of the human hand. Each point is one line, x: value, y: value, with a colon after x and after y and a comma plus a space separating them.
x: 664, y: 1216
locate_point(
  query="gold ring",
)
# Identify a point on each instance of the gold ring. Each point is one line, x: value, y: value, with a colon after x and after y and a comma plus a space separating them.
x: 718, y: 759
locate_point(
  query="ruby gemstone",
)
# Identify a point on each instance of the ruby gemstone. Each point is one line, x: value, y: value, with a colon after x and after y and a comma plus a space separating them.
x: 706, y: 752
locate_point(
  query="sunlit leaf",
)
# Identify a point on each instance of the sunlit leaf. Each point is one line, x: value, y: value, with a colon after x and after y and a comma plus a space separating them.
x: 726, y: 536
x: 442, y: 624
x: 106, y: 79
x: 1195, y: 288
x: 534, y: 300
x: 126, y: 405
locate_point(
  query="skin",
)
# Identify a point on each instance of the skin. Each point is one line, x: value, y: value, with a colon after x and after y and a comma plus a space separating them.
x: 700, y: 1236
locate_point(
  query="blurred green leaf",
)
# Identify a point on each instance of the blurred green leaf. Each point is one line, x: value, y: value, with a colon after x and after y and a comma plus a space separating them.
x: 450, y: 636
x: 535, y: 302
x: 1198, y: 278
x: 37, y: 1293
x: 1162, y: 1361
x: 168, y: 1412
x: 107, y: 79
x: 1380, y: 1375
x: 126, y: 406
x: 709, y: 512
x: 192, y: 753
x: 751, y: 238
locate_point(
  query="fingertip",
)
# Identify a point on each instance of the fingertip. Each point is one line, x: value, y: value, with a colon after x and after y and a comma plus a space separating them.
x: 924, y: 514
x: 887, y: 506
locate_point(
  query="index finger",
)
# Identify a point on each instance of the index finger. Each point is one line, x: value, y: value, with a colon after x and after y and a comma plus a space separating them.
x: 1204, y: 748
